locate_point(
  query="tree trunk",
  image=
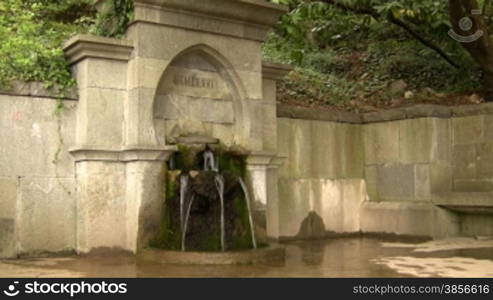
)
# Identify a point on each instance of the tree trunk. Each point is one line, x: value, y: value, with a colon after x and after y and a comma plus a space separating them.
x: 480, y: 49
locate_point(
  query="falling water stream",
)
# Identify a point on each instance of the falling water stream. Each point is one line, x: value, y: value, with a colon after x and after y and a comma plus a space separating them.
x: 247, y: 199
x: 219, y: 179
x: 183, y: 194
x: 210, y: 164
x: 185, y: 226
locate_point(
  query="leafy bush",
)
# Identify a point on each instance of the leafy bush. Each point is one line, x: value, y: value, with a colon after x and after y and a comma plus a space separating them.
x: 32, y: 33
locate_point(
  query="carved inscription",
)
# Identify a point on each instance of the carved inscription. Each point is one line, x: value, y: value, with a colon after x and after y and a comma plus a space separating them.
x: 195, y: 81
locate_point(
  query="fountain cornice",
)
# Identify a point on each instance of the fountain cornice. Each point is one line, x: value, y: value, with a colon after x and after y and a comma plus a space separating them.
x: 246, y: 19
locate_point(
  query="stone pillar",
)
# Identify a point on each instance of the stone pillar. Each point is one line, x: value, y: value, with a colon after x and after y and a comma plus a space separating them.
x: 100, y: 67
x: 263, y: 166
x: 120, y: 197
x: 258, y: 173
x: 121, y: 188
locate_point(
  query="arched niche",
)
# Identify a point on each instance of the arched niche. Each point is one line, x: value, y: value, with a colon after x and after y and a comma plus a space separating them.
x: 199, y: 95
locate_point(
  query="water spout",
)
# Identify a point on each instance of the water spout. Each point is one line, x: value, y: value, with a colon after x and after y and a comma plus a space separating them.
x: 185, y: 225
x: 219, y: 179
x: 210, y: 163
x: 247, y: 198
x: 183, y: 195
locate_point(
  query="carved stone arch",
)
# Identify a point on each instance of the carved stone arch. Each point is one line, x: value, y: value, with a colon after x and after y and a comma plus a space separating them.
x: 199, y: 93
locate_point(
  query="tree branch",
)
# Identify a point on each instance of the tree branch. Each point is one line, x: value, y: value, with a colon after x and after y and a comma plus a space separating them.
x: 373, y: 13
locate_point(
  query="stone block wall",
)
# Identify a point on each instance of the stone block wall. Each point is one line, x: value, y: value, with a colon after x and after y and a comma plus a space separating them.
x: 407, y: 160
x: 423, y: 171
x: 37, y: 182
x: 472, y: 152
x: 321, y: 184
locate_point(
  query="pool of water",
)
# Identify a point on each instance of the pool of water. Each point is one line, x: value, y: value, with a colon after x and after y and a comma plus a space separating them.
x: 343, y: 257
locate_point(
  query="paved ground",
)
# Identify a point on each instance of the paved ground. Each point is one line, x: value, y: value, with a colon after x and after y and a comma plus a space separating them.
x: 347, y: 257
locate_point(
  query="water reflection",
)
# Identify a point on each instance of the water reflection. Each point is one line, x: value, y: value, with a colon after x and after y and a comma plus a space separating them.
x: 347, y: 257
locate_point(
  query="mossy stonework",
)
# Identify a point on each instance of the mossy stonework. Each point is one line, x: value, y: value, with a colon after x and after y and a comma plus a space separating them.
x: 203, y: 231
x: 188, y: 74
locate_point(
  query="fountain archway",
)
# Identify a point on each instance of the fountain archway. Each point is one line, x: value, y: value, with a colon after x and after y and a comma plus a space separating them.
x: 200, y: 95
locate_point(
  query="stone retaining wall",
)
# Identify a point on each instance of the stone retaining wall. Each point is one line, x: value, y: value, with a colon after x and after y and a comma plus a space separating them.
x: 414, y: 161
x: 37, y: 183
x: 414, y: 171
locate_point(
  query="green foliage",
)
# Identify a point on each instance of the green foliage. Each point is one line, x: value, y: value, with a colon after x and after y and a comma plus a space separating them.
x: 32, y: 33
x: 113, y: 19
x: 352, y: 50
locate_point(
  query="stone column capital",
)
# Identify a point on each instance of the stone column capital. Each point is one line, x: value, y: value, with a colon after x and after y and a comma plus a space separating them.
x: 264, y: 160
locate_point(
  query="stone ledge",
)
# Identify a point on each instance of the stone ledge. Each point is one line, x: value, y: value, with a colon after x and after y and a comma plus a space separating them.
x: 245, y: 19
x: 257, y: 12
x: 270, y: 254
x: 274, y: 71
x: 294, y: 112
x: 411, y: 112
x: 37, y: 89
x: 466, y: 202
x: 83, y: 46
x: 123, y: 154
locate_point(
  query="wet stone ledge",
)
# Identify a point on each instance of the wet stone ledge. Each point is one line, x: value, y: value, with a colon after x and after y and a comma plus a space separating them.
x: 37, y: 89
x: 411, y: 112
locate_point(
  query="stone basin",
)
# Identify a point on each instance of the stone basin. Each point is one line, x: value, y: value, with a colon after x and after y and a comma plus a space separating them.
x: 269, y: 254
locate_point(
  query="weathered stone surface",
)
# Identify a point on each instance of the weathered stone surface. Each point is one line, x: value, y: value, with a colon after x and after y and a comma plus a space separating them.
x: 271, y: 72
x: 416, y: 143
x: 327, y: 196
x: 428, y: 110
x: 100, y: 117
x: 488, y: 128
x: 170, y: 42
x: 327, y: 152
x: 476, y: 225
x: 473, y: 185
x: 145, y: 197
x: 354, y: 194
x: 353, y: 151
x: 467, y: 130
x: 440, y: 178
x: 241, y: 19
x: 464, y: 161
x: 32, y: 144
x: 381, y: 143
x: 84, y: 46
x: 145, y: 72
x: 484, y: 160
x: 270, y: 128
x: 102, y: 73
x: 371, y: 178
x: 471, y: 110
x: 101, y: 208
x: 422, y: 181
x: 7, y: 238
x: 293, y: 205
x: 396, y: 182
x: 272, y: 210
x: 300, y: 149
x: 414, y: 219
x: 38, y: 89
x: 294, y: 112
x: 8, y: 197
x: 385, y: 115
x: 47, y: 215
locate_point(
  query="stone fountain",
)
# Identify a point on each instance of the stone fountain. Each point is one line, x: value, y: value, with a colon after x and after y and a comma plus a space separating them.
x: 186, y: 79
